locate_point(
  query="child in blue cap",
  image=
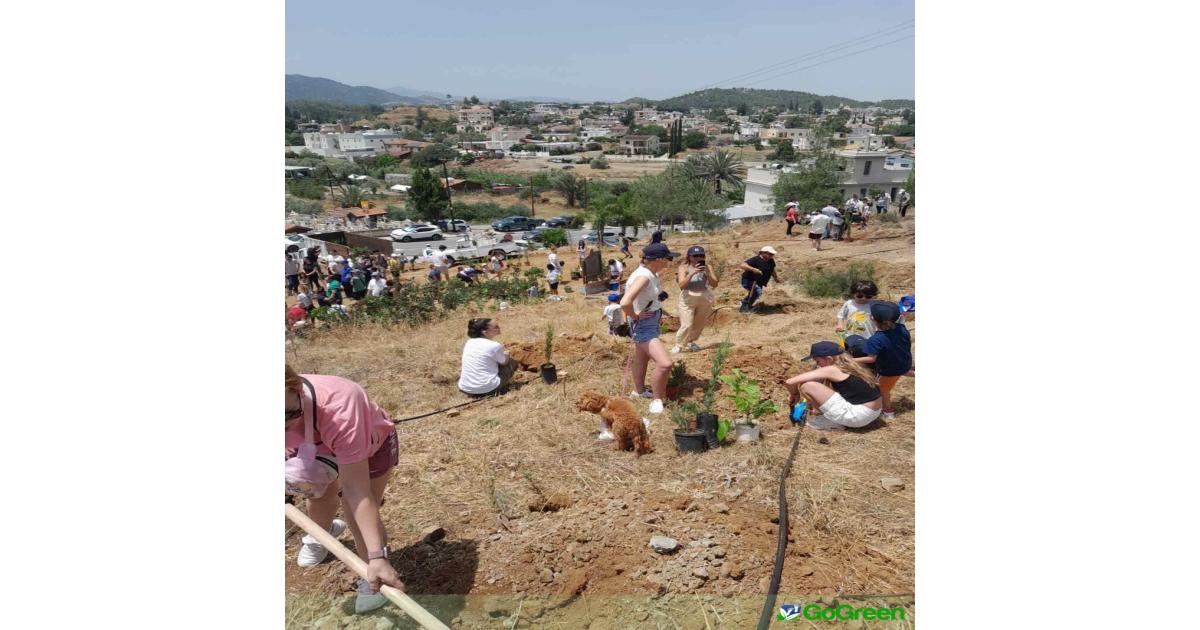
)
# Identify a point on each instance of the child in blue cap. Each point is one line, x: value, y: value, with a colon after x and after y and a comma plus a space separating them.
x: 889, y: 349
x: 613, y: 313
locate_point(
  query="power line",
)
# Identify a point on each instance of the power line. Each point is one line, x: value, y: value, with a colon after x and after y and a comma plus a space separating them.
x: 815, y: 53
x: 821, y: 63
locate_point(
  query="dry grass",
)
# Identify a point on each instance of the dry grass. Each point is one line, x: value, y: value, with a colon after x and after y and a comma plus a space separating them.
x: 478, y: 473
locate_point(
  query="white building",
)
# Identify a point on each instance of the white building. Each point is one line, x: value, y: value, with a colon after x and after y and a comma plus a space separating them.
x: 884, y: 170
x: 347, y: 145
x: 475, y: 119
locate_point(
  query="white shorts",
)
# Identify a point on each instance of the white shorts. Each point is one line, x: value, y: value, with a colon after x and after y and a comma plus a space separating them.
x: 841, y: 413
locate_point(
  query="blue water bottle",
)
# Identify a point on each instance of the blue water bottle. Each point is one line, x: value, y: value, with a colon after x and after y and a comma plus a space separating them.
x: 798, y: 411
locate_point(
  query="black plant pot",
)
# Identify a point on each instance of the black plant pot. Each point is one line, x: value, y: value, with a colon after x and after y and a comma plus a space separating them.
x: 549, y: 373
x: 690, y: 441
x: 706, y: 423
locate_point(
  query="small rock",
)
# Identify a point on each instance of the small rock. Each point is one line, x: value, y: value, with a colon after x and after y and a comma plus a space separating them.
x: 823, y: 440
x: 718, y: 562
x: 721, y: 508
x: 736, y: 572
x: 576, y: 581
x: 663, y: 544
x: 694, y: 583
x: 717, y: 552
x: 383, y: 623
x: 805, y: 570
x: 894, y: 484
x: 734, y: 494
x: 496, y: 536
x: 653, y: 518
x: 547, y: 576
x: 433, y: 534
x: 453, y: 413
x: 642, y: 616
x: 700, y: 572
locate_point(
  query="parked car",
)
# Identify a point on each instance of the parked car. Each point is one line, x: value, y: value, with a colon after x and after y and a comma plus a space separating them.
x: 515, y: 224
x: 458, y: 226
x: 417, y: 233
x: 610, y: 238
x: 559, y: 221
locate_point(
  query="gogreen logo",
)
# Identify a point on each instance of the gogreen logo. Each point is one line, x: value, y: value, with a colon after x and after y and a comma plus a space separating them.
x: 841, y: 612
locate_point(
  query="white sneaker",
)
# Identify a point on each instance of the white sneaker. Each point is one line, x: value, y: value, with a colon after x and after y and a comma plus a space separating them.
x: 646, y: 394
x: 888, y: 415
x: 656, y: 406
x: 675, y: 350
x: 368, y: 599
x: 312, y: 552
x: 692, y: 347
x: 646, y: 422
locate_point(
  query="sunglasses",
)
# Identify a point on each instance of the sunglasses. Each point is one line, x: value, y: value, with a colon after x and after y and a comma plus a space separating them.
x: 862, y: 295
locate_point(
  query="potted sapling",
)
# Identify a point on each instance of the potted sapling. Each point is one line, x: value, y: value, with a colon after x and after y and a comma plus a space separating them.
x: 549, y: 373
x: 749, y: 404
x: 687, y: 440
x: 675, y: 380
x: 706, y: 419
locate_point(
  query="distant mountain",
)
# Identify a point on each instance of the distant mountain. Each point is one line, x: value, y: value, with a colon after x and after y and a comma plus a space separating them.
x: 425, y: 95
x: 298, y: 87
x: 723, y: 98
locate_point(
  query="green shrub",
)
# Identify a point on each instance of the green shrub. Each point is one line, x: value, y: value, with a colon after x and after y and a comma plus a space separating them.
x: 834, y: 282
x: 554, y: 236
x: 305, y: 188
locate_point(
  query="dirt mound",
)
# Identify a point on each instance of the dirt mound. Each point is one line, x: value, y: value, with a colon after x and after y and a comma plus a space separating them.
x: 763, y: 363
x: 567, y: 348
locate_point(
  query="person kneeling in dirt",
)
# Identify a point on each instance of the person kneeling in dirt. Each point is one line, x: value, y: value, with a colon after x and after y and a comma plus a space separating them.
x: 486, y: 367
x: 840, y: 389
x: 340, y: 443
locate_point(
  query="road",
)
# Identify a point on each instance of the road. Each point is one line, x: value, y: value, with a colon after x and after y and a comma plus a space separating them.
x: 417, y: 248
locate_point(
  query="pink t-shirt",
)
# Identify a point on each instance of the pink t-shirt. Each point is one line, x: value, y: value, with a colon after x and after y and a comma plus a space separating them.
x: 350, y: 427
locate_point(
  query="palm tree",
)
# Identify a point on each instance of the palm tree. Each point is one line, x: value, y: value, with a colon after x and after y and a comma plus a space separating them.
x: 716, y: 167
x: 569, y: 185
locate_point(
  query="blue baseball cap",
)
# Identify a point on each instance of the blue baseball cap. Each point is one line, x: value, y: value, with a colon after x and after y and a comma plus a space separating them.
x: 695, y: 250
x: 885, y: 311
x: 657, y: 251
x: 823, y: 349
x: 908, y: 303
x: 613, y: 297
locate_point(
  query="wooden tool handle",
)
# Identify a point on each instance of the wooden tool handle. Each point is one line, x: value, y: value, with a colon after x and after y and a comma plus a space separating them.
x: 356, y: 564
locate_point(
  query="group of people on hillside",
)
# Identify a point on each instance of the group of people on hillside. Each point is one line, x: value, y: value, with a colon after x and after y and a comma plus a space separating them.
x: 342, y: 447
x: 830, y: 222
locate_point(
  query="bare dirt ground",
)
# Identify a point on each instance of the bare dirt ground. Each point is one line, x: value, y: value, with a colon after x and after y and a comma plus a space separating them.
x: 550, y: 528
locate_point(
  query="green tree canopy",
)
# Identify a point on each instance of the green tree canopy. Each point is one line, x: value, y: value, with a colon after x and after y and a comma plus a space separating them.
x: 426, y: 197
x: 811, y: 187
x: 695, y: 140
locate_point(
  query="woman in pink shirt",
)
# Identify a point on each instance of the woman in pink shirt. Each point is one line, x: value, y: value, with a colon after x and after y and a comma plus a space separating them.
x: 353, y: 436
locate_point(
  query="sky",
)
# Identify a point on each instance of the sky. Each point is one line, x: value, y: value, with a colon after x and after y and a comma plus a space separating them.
x: 606, y: 50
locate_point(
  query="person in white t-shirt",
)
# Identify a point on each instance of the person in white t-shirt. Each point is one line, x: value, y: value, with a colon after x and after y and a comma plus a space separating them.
x: 552, y: 258
x: 440, y: 262
x: 486, y: 367
x: 496, y: 264
x: 552, y: 275
x: 336, y: 262
x: 816, y: 229
x: 642, y: 305
x: 613, y: 313
x: 377, y: 286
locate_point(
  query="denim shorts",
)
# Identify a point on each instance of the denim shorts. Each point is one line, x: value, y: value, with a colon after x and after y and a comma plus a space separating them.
x: 644, y: 330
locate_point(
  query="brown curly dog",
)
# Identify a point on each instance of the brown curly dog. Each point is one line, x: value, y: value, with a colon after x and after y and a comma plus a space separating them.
x: 622, y: 418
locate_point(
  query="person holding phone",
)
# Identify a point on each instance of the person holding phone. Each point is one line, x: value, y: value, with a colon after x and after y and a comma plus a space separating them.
x: 696, y: 281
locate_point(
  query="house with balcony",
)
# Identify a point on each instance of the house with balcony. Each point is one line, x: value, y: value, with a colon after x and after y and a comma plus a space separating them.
x: 640, y: 145
x: 475, y: 119
x: 864, y: 170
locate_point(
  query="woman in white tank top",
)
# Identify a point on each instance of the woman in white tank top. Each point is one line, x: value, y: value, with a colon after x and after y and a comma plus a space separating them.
x: 642, y: 305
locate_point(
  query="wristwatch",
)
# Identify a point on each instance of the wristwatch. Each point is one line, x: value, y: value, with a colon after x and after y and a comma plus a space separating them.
x: 378, y: 555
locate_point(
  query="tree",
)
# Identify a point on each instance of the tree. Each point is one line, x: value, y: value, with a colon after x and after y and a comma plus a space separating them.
x: 784, y: 151
x: 653, y: 130
x: 569, y: 185
x: 474, y: 100
x: 742, y: 109
x: 352, y: 197
x: 695, y: 140
x: 793, y: 122
x: 817, y: 107
x: 811, y: 187
x: 599, y: 162
x: 426, y: 198
x: 627, y: 116
x: 673, y: 195
x: 910, y: 186
x: 300, y: 206
x: 433, y: 155
x: 717, y: 167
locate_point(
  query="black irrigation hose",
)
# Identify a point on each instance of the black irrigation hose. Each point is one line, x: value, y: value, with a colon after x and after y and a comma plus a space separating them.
x: 434, y: 413
x: 764, y: 619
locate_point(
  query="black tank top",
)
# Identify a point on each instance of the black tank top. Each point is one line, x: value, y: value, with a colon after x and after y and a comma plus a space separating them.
x: 855, y: 390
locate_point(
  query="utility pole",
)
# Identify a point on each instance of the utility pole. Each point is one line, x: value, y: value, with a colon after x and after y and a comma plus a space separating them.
x: 532, y: 194
x: 449, y: 200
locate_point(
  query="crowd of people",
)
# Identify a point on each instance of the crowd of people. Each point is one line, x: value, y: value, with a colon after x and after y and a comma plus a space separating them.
x: 341, y: 447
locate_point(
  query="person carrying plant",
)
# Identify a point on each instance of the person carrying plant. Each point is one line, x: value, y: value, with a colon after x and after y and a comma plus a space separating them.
x: 696, y: 281
x: 486, y: 367
x: 642, y: 305
x: 842, y: 390
x: 340, y: 444
x: 889, y: 349
x: 757, y: 271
